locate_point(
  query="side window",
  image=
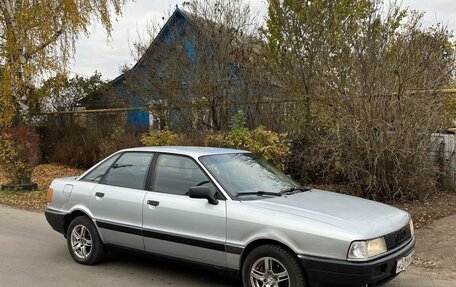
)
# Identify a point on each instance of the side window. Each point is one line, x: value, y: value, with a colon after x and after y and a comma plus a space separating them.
x: 130, y: 170
x: 176, y: 174
x: 99, y: 171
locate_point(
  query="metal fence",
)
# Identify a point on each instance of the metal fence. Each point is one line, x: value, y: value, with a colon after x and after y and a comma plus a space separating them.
x: 443, y: 154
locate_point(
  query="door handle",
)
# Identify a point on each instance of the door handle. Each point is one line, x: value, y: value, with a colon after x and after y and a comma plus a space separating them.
x: 153, y: 202
x: 99, y: 194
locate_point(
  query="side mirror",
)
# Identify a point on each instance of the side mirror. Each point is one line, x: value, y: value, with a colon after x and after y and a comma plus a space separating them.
x: 202, y: 192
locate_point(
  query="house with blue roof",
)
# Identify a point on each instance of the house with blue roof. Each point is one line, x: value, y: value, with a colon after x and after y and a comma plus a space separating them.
x: 188, y: 78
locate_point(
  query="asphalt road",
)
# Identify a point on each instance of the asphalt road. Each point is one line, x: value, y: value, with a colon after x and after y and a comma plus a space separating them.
x: 32, y: 254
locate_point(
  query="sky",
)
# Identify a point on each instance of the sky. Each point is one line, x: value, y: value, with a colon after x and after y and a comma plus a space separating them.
x: 97, y: 53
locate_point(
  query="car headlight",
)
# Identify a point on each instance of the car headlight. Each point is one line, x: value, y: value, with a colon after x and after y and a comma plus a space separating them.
x: 412, y: 228
x: 365, y: 249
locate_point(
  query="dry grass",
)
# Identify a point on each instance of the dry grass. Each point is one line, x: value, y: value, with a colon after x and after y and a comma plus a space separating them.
x: 43, y: 176
x: 3, y: 178
x: 436, y: 206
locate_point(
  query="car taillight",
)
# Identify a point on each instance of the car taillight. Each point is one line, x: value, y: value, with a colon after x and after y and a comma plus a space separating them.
x: 49, y: 195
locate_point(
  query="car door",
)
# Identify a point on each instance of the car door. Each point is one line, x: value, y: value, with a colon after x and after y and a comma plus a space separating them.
x: 177, y: 225
x: 116, y: 203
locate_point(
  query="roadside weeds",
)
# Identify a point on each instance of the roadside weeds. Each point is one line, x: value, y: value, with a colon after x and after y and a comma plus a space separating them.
x: 43, y: 176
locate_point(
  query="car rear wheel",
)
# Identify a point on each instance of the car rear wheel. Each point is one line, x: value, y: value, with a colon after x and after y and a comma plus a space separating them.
x: 83, y: 241
x: 272, y: 266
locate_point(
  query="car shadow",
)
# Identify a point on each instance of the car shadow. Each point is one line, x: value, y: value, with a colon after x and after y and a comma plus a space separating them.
x: 170, y: 267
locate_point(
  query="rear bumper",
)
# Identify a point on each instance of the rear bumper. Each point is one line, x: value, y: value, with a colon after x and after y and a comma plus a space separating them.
x: 327, y: 272
x: 56, y: 219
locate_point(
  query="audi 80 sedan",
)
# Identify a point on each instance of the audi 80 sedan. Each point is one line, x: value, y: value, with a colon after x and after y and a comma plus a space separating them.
x: 229, y: 209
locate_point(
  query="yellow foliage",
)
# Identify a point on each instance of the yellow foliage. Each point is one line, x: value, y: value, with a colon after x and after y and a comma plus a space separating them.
x: 160, y: 138
x: 39, y: 38
x: 271, y: 146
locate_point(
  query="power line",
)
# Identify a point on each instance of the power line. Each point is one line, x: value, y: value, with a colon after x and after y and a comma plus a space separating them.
x: 79, y: 74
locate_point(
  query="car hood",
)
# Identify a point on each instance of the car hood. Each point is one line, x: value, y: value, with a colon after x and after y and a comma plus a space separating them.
x: 365, y: 218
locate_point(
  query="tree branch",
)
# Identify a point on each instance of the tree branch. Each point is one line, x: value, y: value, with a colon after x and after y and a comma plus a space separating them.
x: 45, y: 44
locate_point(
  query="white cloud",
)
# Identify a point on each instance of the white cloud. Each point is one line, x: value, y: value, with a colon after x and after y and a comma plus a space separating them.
x: 95, y: 53
x: 442, y: 11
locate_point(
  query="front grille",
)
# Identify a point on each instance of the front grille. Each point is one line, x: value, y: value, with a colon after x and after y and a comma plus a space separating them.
x: 398, y: 237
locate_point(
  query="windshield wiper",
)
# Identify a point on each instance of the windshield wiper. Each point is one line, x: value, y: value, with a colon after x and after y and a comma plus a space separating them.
x: 295, y: 188
x: 259, y: 193
x: 97, y: 177
x: 121, y: 165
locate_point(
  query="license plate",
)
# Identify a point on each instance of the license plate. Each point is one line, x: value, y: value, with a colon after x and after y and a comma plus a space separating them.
x: 404, y: 262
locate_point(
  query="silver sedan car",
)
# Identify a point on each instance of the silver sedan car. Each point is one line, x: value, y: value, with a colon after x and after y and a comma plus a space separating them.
x: 229, y: 209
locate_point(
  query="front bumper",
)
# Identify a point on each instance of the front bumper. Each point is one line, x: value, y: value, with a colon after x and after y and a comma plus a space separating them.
x: 56, y: 219
x: 328, y: 272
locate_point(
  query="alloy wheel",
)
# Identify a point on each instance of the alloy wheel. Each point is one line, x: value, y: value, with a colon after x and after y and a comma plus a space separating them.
x: 81, y: 241
x: 269, y: 272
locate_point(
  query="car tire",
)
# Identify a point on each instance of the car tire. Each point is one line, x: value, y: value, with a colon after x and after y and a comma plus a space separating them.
x: 83, y: 241
x: 272, y: 264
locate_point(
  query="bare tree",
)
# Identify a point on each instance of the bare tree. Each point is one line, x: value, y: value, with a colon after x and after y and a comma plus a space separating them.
x: 204, y: 67
x: 299, y: 36
x: 370, y: 82
x: 388, y: 105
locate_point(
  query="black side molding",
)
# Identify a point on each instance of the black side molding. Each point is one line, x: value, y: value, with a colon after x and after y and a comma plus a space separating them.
x: 171, y: 237
x: 119, y: 228
x: 234, y: 249
x: 185, y: 240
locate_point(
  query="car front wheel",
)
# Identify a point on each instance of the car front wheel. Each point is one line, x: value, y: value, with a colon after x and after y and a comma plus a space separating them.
x: 272, y: 266
x: 83, y: 242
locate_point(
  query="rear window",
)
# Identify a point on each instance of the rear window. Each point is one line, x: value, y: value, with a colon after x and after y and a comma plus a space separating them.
x: 130, y: 170
x: 97, y: 174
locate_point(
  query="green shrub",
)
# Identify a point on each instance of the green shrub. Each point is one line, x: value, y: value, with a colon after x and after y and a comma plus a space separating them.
x: 267, y: 144
x: 271, y: 146
x: 160, y: 138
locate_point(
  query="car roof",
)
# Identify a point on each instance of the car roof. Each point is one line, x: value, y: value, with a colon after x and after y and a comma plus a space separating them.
x: 193, y: 151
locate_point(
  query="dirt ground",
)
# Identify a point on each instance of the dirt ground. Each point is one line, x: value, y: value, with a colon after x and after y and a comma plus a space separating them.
x: 43, y: 176
x: 435, y: 253
x: 436, y: 206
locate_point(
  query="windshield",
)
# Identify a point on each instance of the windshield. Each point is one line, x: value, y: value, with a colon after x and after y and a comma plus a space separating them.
x: 244, y: 173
